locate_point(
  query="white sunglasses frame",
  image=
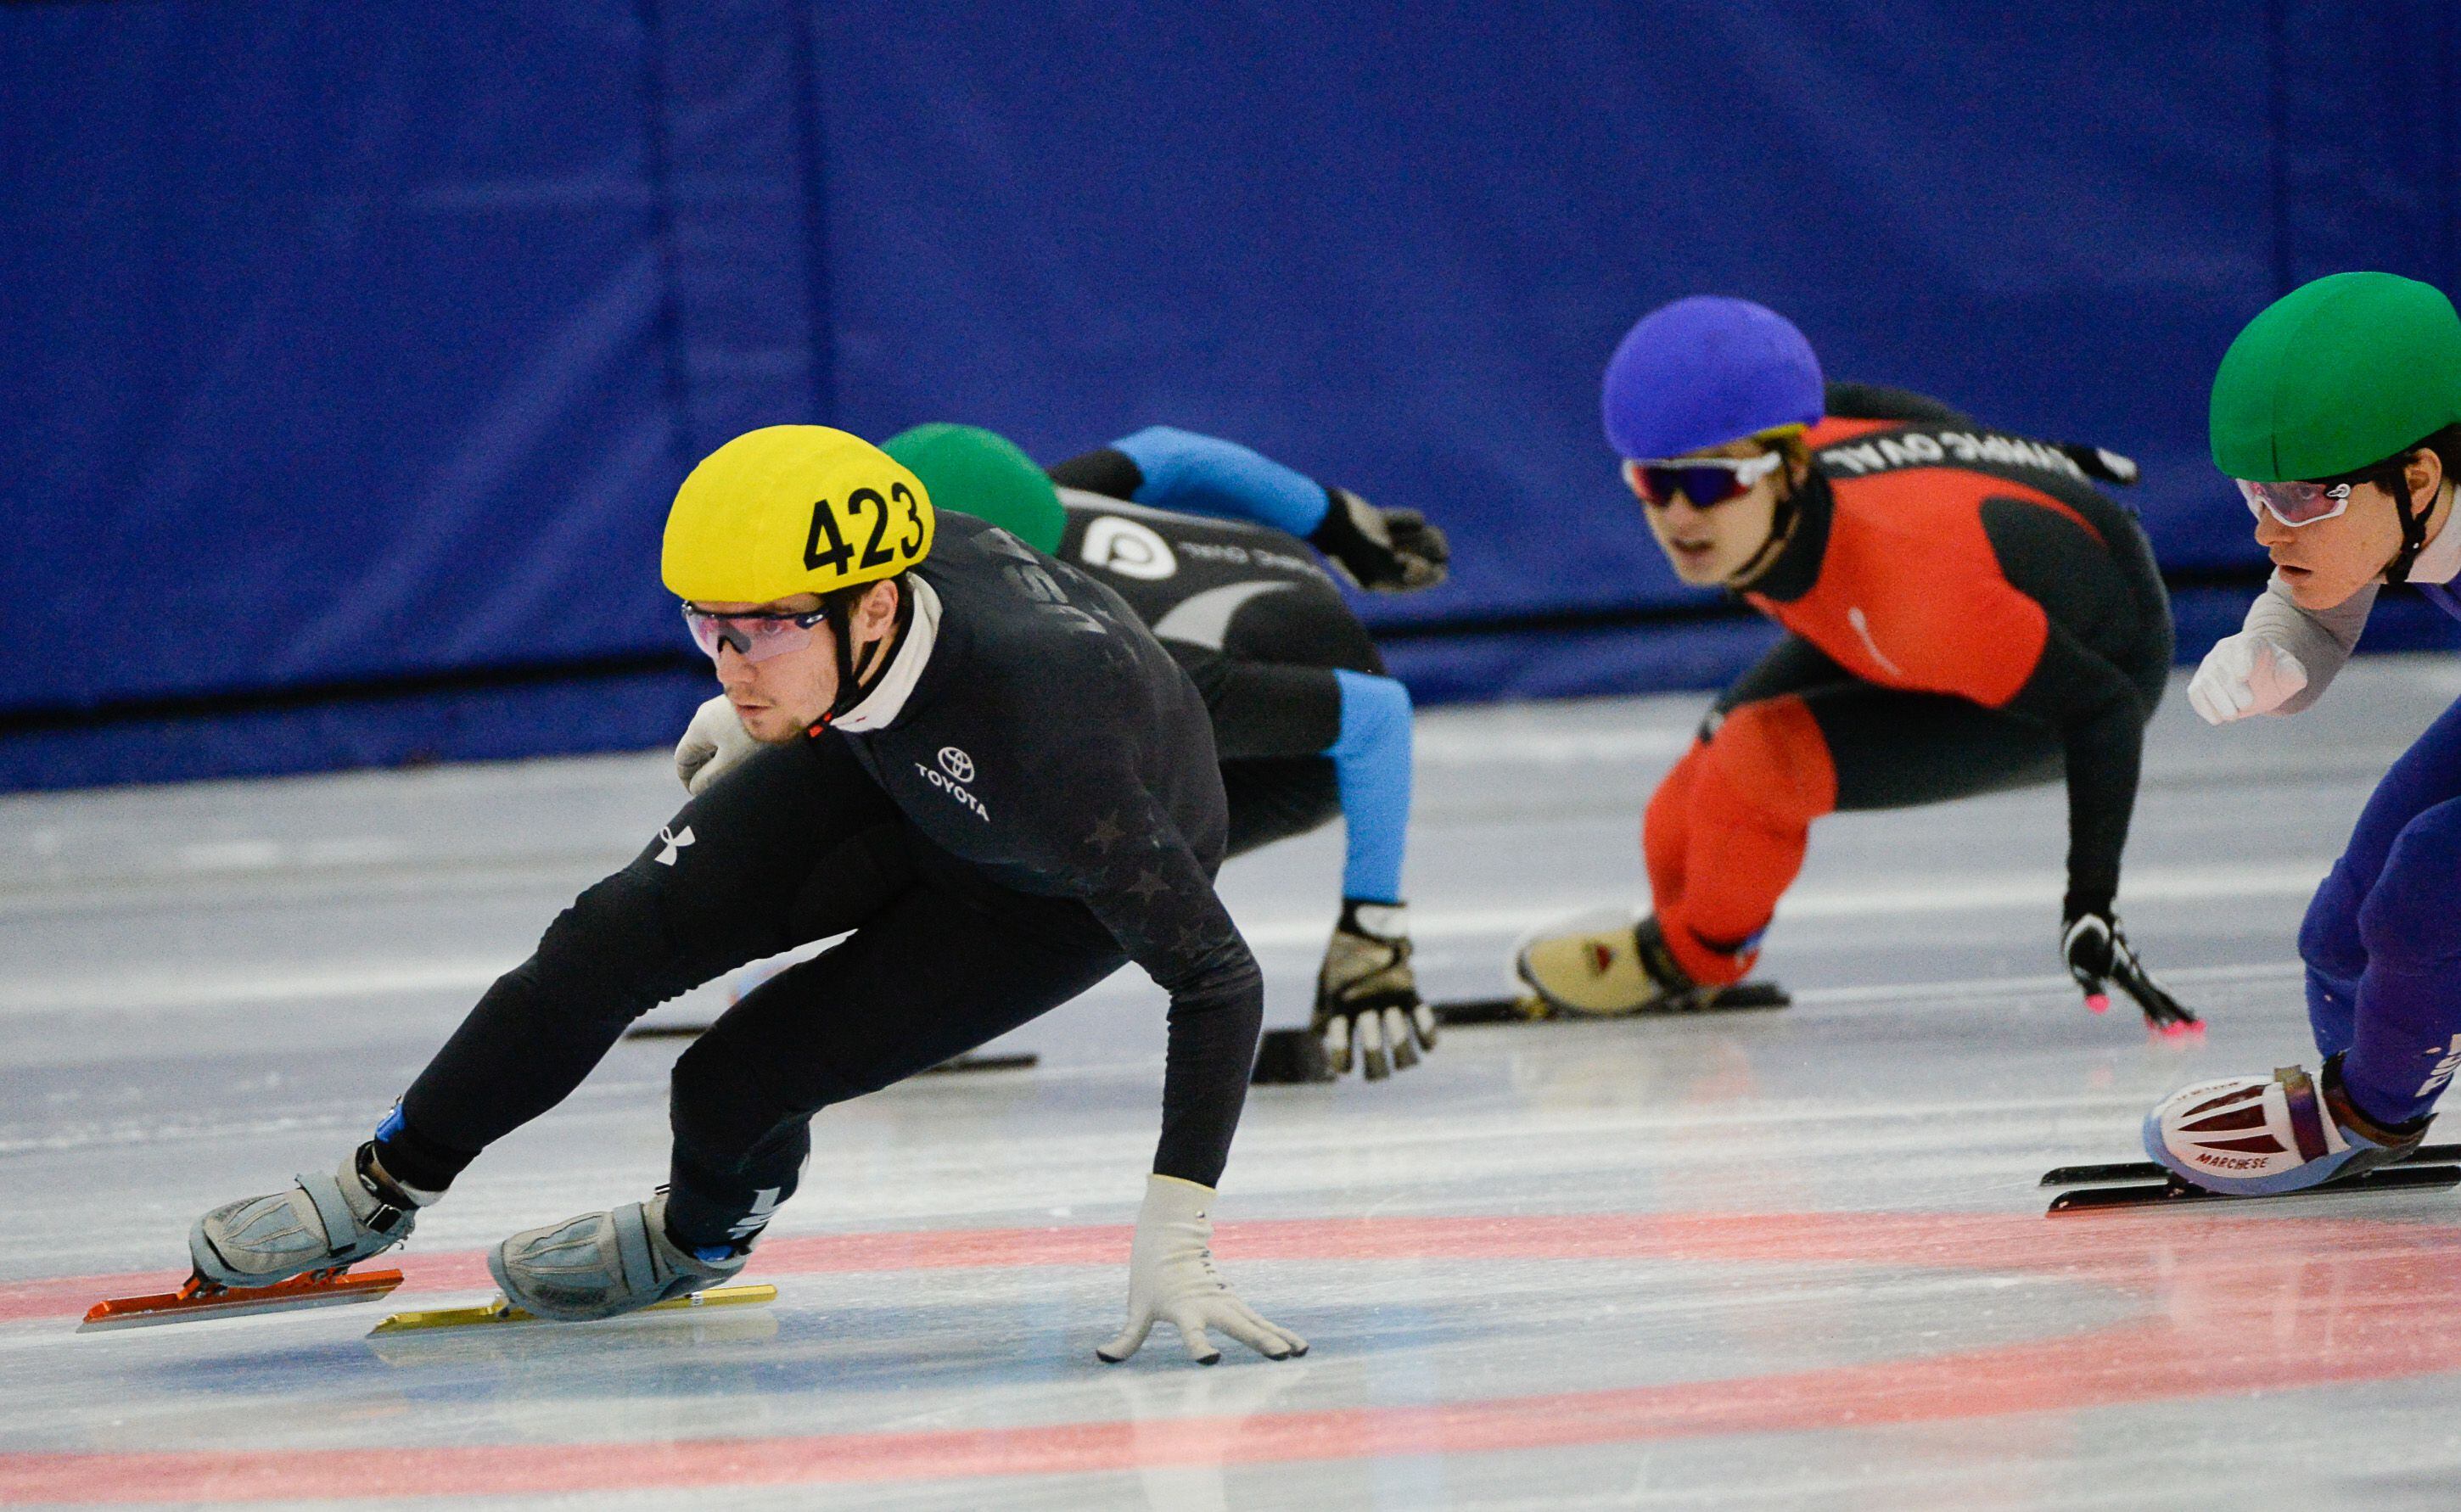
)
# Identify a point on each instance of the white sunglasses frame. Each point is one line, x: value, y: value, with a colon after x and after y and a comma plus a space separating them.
x: 2259, y: 506
x: 1747, y: 470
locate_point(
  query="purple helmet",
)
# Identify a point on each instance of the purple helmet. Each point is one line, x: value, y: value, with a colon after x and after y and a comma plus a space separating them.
x: 1705, y: 371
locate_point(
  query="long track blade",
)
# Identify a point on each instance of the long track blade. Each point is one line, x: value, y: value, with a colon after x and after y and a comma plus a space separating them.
x: 198, y: 1301
x: 1530, y: 1008
x: 2147, y: 1171
x: 499, y: 1310
x: 2390, y: 1178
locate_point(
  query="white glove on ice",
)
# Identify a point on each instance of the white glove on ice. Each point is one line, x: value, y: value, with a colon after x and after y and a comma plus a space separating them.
x: 713, y: 743
x: 1171, y: 1280
x: 2245, y: 675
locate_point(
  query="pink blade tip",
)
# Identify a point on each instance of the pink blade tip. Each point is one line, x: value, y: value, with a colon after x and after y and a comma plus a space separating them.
x: 2098, y: 1002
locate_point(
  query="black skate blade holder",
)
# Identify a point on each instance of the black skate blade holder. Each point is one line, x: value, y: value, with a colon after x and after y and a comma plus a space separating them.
x: 2152, y: 1186
x: 1530, y: 1008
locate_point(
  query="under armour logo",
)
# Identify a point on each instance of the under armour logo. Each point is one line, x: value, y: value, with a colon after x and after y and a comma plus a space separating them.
x: 675, y: 843
x: 957, y: 763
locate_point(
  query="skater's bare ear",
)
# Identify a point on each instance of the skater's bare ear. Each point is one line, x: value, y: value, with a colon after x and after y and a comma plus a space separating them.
x: 876, y: 611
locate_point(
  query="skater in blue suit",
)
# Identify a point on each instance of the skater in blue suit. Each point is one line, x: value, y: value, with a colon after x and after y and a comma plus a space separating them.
x: 2338, y: 412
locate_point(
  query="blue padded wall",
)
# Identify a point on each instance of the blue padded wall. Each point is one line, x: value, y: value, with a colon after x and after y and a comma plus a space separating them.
x: 354, y: 351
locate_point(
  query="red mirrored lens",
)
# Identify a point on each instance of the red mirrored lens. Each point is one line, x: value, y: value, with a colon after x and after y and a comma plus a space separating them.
x: 755, y: 637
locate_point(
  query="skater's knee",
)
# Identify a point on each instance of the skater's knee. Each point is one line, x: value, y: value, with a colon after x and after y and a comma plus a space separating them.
x: 723, y: 1098
x: 610, y: 938
x: 1771, y: 758
x: 2329, y: 936
x: 2412, y: 915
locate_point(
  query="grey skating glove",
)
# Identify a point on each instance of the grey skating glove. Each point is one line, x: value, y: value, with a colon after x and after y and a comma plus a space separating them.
x: 1171, y: 1280
x: 1367, y: 998
x: 713, y: 743
x: 1382, y: 550
x: 2098, y: 955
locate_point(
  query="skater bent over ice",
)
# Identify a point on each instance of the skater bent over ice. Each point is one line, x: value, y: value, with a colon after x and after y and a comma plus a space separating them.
x: 973, y: 757
x: 1203, y: 540
x: 2338, y: 412
x: 1965, y: 612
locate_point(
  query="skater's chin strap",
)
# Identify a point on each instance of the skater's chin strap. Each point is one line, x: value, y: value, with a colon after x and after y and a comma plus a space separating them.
x: 895, y: 663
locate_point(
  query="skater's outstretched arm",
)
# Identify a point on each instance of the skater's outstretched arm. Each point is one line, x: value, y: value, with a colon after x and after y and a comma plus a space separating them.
x: 1157, y: 900
x: 1389, y: 550
x: 2282, y: 658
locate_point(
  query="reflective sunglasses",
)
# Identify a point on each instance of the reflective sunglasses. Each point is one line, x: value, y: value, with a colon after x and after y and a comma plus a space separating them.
x: 2295, y: 504
x: 756, y: 636
x: 1704, y: 481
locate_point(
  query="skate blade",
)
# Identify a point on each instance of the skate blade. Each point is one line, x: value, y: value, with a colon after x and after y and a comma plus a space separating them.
x: 2172, y: 1192
x: 1531, y: 1008
x: 2149, y: 1171
x: 499, y: 1310
x: 202, y: 1299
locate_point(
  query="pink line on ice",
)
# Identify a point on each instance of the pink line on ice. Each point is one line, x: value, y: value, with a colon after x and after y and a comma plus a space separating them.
x: 2348, y: 1300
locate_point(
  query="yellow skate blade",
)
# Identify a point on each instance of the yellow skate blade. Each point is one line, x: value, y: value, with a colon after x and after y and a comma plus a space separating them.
x: 499, y: 1311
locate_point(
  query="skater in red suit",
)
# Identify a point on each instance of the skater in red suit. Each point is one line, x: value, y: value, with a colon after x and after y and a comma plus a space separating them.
x: 1965, y: 613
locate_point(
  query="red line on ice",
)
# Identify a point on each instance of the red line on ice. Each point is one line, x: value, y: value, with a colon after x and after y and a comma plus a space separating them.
x: 2233, y: 1306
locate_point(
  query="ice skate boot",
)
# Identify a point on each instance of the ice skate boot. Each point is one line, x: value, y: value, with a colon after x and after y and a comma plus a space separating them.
x: 604, y: 1264
x: 1605, y: 964
x: 2263, y: 1136
x: 323, y: 1222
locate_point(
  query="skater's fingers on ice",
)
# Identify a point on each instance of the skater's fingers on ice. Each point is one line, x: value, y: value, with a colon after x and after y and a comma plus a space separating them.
x: 1130, y: 1339
x: 1234, y: 1319
x: 1337, y: 1043
x: 1292, y: 1344
x: 1397, y: 1033
x: 1423, y: 1020
x: 1190, y: 1320
x: 1370, y: 1030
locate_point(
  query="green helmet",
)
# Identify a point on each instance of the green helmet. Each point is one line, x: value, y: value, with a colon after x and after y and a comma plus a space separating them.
x: 968, y: 470
x: 2335, y: 376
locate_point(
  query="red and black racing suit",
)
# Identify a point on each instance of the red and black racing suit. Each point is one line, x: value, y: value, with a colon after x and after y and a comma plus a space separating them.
x: 1965, y: 613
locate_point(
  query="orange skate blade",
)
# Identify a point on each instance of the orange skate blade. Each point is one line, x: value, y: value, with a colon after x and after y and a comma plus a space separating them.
x: 202, y: 1299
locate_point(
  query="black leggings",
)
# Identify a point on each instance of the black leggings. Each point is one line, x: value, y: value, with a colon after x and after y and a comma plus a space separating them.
x: 1895, y: 748
x: 1273, y: 721
x: 797, y: 844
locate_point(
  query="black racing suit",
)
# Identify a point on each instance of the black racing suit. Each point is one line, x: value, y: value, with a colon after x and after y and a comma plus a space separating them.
x: 1045, y: 805
x: 1259, y: 627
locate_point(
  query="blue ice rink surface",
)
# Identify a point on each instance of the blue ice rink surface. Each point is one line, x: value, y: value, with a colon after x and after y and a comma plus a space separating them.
x: 1770, y: 1260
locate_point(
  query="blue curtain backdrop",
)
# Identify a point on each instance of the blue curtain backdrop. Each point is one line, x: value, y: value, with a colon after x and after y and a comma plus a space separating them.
x: 354, y: 353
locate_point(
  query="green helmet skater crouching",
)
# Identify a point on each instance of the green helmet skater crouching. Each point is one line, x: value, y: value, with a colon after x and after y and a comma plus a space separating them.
x: 2338, y: 415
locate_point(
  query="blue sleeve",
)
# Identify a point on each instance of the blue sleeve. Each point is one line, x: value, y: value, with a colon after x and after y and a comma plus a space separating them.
x: 1371, y: 764
x: 1201, y: 475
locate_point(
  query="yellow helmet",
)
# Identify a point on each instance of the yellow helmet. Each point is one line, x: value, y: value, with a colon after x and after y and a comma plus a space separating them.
x: 793, y: 509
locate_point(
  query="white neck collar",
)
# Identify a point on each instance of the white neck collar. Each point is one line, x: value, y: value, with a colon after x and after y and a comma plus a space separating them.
x: 886, y: 700
x: 2439, y: 560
